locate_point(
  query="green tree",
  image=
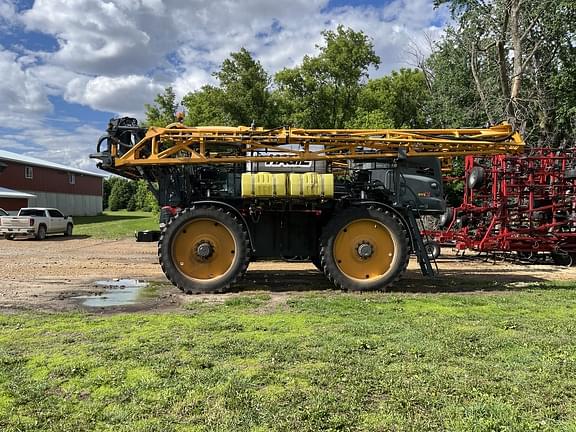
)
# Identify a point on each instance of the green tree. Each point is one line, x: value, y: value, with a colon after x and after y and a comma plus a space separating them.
x: 323, y: 91
x: 518, y: 55
x: 370, y: 119
x: 121, y: 193
x: 144, y: 199
x: 242, y: 97
x: 245, y: 87
x: 107, y: 189
x: 453, y: 100
x: 396, y: 100
x: 163, y: 111
x: 205, y: 107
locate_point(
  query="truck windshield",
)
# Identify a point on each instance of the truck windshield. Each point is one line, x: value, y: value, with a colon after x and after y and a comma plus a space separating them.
x: 31, y: 212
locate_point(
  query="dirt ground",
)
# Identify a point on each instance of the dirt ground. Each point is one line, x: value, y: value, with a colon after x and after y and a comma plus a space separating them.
x: 47, y: 275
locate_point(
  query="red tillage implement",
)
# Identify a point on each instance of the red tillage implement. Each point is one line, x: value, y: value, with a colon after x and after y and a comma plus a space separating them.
x: 524, y: 204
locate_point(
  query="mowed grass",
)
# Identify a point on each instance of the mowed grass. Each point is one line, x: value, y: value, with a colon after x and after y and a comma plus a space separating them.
x: 328, y: 361
x: 115, y: 224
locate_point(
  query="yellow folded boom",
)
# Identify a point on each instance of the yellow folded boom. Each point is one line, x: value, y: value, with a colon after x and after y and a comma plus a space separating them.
x: 177, y: 144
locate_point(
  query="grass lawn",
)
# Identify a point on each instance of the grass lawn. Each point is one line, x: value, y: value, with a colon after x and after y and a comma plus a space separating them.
x: 115, y: 224
x: 329, y: 361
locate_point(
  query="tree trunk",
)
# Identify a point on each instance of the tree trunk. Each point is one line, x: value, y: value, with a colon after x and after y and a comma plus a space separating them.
x: 517, y: 66
x: 479, y: 89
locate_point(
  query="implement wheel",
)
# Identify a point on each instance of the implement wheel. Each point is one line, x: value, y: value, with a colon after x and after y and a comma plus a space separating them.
x: 364, y: 249
x: 433, y: 249
x: 203, y: 250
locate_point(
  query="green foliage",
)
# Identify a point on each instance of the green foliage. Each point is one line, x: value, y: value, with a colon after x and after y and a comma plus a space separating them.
x: 130, y: 195
x: 395, y: 100
x: 243, y: 96
x: 339, y: 362
x: 323, y: 91
x: 117, y: 224
x: 205, y: 107
x: 107, y: 189
x: 245, y: 89
x: 163, y: 111
x: 144, y: 200
x: 121, y: 193
x: 507, y: 60
x: 453, y: 101
x: 370, y: 119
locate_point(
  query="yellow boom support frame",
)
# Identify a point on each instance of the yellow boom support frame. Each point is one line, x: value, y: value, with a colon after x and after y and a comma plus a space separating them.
x: 180, y: 145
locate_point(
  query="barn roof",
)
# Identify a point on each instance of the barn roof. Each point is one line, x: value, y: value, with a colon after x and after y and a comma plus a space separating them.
x: 29, y: 160
x: 9, y: 193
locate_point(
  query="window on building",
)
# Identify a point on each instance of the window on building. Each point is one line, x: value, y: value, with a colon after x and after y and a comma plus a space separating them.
x: 71, y: 178
x: 28, y: 172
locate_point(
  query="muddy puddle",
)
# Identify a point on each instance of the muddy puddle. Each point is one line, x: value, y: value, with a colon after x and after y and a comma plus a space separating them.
x: 117, y: 292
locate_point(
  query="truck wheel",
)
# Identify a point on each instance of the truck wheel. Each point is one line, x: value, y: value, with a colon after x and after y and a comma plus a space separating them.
x: 68, y: 232
x: 364, y: 249
x: 41, y: 234
x: 203, y: 250
x: 9, y: 236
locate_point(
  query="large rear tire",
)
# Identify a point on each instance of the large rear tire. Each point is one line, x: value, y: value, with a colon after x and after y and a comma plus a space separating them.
x: 364, y: 249
x: 41, y: 234
x: 203, y: 250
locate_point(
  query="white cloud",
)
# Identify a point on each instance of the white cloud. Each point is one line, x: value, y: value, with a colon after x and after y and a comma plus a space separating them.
x: 47, y: 142
x: 104, y: 46
x: 7, y: 13
x: 191, y: 80
x: 125, y: 95
x: 103, y: 38
x: 22, y: 95
x: 117, y: 55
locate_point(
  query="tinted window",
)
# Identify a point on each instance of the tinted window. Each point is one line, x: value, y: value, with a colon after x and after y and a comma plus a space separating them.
x: 55, y: 213
x: 31, y: 212
x: 3, y: 212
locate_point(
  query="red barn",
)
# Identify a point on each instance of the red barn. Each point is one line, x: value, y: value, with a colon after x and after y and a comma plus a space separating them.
x: 74, y: 191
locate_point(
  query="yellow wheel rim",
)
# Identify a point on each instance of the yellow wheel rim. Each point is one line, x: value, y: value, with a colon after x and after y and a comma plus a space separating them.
x: 364, y: 250
x: 204, y: 249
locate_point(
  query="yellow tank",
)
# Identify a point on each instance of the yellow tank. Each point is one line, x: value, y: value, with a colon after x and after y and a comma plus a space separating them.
x: 264, y: 184
x: 311, y: 185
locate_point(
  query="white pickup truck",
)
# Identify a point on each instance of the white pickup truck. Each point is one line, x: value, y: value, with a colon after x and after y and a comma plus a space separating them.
x: 37, y: 222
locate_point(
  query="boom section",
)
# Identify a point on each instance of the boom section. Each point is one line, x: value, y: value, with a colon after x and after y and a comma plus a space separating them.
x: 177, y: 144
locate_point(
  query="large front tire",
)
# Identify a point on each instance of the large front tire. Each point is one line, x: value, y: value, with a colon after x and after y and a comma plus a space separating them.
x: 203, y: 250
x: 364, y: 249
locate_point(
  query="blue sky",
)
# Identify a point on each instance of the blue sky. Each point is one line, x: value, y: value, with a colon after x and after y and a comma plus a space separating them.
x: 67, y: 66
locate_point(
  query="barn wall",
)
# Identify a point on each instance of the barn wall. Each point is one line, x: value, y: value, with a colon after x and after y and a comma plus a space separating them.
x: 12, y: 205
x: 69, y: 204
x: 48, y: 180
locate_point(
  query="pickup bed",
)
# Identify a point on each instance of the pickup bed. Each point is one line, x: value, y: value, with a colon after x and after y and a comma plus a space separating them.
x: 36, y: 222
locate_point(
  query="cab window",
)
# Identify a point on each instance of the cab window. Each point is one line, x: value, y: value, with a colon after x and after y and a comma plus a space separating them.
x: 55, y: 214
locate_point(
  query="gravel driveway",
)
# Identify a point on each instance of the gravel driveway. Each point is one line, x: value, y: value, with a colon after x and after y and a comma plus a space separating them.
x: 45, y: 275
